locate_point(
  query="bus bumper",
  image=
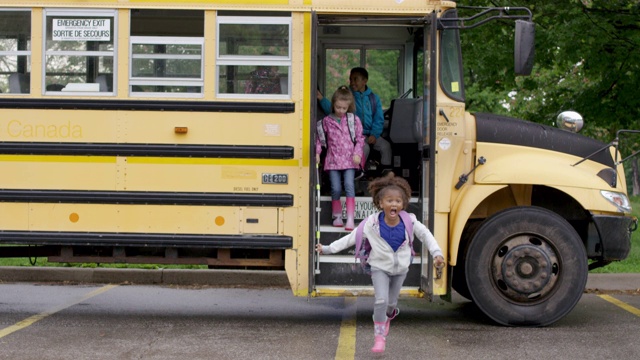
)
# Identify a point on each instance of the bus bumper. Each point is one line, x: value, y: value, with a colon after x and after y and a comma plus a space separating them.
x: 615, y: 235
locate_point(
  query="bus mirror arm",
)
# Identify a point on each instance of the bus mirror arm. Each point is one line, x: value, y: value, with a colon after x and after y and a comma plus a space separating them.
x: 615, y: 143
x: 486, y: 15
x: 465, y: 177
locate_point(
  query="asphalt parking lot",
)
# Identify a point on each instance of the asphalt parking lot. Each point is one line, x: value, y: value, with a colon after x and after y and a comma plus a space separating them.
x: 131, y: 320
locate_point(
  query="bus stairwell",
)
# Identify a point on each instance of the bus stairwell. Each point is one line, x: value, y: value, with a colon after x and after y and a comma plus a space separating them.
x: 340, y: 274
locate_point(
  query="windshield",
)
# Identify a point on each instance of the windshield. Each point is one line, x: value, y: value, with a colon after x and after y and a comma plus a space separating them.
x: 451, y: 61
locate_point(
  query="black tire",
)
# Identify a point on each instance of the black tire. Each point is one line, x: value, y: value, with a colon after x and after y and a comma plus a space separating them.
x: 458, y: 276
x: 526, y: 266
x: 459, y: 281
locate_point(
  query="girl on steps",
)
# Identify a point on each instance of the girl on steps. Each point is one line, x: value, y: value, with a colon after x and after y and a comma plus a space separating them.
x: 344, y: 155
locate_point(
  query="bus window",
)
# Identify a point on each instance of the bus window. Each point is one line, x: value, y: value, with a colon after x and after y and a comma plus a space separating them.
x: 385, y: 67
x: 167, y: 49
x: 80, y: 46
x: 15, y: 51
x: 254, y: 56
x: 338, y: 65
x: 451, y: 60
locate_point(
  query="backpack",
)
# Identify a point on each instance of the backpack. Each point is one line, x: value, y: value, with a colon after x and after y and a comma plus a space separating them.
x: 351, y: 124
x: 374, y: 104
x: 363, y: 248
x: 350, y: 121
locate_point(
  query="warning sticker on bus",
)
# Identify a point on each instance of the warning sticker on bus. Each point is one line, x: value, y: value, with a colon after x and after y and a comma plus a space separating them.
x: 268, y: 178
x: 81, y: 30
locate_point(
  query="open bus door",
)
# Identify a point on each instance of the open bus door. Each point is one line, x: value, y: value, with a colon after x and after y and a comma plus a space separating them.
x: 405, y: 128
x: 428, y: 97
x: 314, y: 216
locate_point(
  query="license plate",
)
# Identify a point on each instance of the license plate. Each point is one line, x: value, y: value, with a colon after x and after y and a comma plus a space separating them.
x: 275, y: 178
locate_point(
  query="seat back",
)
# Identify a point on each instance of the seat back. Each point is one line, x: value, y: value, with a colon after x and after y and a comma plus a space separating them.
x: 19, y: 83
x: 284, y: 84
x: 106, y: 82
x: 405, y: 121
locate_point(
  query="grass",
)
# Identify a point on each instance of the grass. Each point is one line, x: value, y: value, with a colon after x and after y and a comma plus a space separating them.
x: 630, y: 265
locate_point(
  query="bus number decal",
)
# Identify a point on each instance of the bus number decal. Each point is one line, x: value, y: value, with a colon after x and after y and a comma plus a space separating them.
x: 268, y: 178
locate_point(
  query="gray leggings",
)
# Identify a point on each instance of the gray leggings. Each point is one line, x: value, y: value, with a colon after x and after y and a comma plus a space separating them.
x: 387, y: 289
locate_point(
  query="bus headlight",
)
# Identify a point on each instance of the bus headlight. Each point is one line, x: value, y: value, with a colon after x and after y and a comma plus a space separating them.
x: 619, y: 200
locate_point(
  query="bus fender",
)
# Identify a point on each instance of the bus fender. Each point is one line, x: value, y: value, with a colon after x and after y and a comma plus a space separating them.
x: 467, y: 201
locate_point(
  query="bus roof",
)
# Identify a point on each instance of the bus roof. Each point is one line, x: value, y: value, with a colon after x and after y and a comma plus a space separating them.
x: 334, y: 6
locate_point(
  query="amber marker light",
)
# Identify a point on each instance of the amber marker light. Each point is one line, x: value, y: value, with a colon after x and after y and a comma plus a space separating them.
x: 219, y: 220
x: 73, y: 217
x: 181, y: 129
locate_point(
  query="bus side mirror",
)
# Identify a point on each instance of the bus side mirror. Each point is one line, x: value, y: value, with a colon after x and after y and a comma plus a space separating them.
x: 524, y: 47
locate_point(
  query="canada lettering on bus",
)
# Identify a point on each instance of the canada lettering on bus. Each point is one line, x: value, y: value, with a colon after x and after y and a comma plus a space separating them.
x: 16, y: 129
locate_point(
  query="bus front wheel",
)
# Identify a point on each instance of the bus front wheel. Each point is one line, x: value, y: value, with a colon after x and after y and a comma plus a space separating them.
x: 526, y: 266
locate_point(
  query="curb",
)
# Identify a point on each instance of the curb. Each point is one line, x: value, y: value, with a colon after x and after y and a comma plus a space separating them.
x: 223, y: 278
x: 612, y: 282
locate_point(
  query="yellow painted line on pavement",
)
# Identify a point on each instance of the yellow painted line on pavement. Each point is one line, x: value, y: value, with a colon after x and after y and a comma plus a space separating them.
x: 621, y: 304
x: 347, y: 340
x: 32, y: 319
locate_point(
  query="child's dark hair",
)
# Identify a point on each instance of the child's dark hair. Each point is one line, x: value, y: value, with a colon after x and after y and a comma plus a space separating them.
x: 378, y: 188
x: 360, y: 71
x: 344, y: 94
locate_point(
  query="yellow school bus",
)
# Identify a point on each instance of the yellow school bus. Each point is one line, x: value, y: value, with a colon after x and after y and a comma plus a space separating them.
x: 182, y: 132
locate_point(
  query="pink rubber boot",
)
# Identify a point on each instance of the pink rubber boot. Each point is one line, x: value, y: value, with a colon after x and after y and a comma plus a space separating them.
x: 387, y: 325
x: 336, y: 213
x: 351, y: 210
x: 379, y: 341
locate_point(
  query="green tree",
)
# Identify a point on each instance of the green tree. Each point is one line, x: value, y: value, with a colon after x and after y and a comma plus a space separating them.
x: 587, y: 60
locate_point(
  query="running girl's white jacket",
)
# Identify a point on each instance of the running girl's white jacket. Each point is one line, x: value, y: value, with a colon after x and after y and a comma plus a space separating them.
x: 382, y: 255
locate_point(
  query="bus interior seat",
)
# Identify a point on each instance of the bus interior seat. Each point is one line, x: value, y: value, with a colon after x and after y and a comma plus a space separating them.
x: 284, y: 84
x: 19, y: 83
x: 405, y: 121
x: 106, y: 82
x: 55, y: 87
x: 405, y: 134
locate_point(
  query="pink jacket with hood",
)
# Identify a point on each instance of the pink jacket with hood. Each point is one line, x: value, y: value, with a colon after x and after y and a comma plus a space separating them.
x: 340, y: 148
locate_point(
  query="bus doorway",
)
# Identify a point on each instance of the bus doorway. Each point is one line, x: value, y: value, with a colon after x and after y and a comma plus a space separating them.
x: 392, y: 56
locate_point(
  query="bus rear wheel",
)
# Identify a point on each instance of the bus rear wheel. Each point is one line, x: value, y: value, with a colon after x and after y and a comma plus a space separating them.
x: 526, y: 266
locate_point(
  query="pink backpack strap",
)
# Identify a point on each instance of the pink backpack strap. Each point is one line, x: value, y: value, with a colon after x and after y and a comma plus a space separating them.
x: 359, y: 231
x: 408, y: 225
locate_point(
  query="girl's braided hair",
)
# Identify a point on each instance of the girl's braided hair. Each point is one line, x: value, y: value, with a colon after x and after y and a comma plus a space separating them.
x: 378, y: 188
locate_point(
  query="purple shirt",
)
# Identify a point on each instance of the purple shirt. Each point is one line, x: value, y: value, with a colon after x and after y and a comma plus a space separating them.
x: 394, y: 235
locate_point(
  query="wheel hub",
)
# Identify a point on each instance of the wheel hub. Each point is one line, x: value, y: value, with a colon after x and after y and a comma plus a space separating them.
x: 525, y: 268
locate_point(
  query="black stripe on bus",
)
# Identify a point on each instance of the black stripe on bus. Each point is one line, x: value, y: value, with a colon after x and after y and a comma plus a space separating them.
x: 146, y: 197
x: 148, y: 105
x: 491, y: 128
x: 67, y: 238
x: 148, y: 150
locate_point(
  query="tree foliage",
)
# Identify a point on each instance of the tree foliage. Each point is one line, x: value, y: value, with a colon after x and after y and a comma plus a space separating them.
x: 587, y: 60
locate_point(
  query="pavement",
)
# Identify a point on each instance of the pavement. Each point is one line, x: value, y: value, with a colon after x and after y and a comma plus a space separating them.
x: 226, y: 278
